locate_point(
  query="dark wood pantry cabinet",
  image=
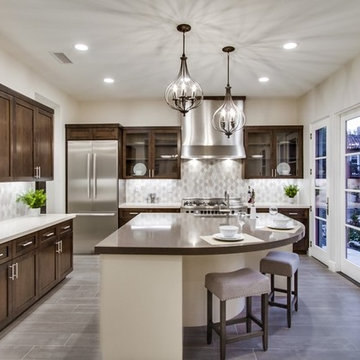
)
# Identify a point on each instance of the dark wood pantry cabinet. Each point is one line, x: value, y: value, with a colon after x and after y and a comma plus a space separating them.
x: 32, y: 265
x: 152, y: 153
x: 26, y: 153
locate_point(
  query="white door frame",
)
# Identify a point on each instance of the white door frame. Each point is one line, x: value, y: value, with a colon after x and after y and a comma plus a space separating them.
x: 322, y: 255
x: 346, y: 266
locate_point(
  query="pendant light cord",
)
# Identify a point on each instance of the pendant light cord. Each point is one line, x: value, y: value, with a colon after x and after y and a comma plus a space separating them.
x: 228, y: 56
x: 183, y: 44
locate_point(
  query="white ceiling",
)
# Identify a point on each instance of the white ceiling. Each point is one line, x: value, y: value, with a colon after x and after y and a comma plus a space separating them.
x: 136, y: 43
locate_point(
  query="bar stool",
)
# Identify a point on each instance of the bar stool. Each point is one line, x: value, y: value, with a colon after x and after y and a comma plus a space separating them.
x: 283, y: 264
x: 231, y: 285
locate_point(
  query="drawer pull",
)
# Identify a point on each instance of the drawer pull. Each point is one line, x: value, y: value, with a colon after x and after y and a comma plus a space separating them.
x: 50, y: 234
x: 133, y: 213
x: 2, y: 254
x: 293, y: 213
x: 65, y: 227
x: 26, y: 244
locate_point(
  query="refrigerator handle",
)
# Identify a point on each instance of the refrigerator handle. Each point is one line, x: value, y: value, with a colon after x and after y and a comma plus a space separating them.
x: 88, y: 175
x: 94, y: 176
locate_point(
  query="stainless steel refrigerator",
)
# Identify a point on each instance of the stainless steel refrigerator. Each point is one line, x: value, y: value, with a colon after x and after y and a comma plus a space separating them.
x: 92, y: 191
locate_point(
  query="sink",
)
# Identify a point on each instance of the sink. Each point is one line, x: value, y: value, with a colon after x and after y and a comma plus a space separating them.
x: 215, y: 215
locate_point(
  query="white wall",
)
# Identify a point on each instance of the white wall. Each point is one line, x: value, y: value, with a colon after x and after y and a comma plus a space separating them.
x: 337, y: 94
x: 19, y: 77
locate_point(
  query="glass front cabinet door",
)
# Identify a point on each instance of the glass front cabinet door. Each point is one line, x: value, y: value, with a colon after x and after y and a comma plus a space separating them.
x: 152, y: 153
x: 273, y: 152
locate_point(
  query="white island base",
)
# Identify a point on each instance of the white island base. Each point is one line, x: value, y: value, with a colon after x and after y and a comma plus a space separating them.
x: 147, y: 299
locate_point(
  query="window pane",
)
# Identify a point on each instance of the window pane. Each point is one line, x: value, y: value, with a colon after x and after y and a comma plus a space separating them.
x: 353, y: 135
x: 320, y: 173
x: 353, y: 246
x: 321, y: 142
x: 320, y: 203
x: 320, y: 231
x: 353, y: 172
x: 353, y: 208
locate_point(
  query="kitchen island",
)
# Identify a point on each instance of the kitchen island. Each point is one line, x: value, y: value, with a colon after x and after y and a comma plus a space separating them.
x: 152, y: 278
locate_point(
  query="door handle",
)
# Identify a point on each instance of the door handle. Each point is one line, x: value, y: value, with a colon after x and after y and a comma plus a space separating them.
x: 39, y: 172
x: 327, y: 206
x: 94, y: 176
x: 1, y: 255
x: 292, y: 213
x: 12, y: 275
x: 88, y: 175
x: 50, y: 234
x: 61, y: 249
x: 65, y: 227
x: 58, y: 247
x: 16, y: 271
x: 133, y: 213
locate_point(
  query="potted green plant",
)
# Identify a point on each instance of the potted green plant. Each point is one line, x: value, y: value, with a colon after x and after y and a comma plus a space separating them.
x: 291, y: 191
x: 34, y: 199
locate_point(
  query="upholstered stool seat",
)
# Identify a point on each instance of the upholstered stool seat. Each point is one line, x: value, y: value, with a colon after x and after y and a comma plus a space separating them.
x: 283, y: 264
x: 240, y: 283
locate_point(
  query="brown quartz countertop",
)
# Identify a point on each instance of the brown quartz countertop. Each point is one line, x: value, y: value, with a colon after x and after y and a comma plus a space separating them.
x: 180, y: 234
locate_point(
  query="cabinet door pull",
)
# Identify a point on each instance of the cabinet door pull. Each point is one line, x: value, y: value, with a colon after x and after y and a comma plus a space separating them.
x: 61, y: 249
x: 293, y: 213
x: 133, y: 213
x: 11, y: 268
x: 50, y: 234
x: 39, y: 172
x: 16, y: 275
x: 58, y: 247
x: 26, y: 244
x: 65, y: 227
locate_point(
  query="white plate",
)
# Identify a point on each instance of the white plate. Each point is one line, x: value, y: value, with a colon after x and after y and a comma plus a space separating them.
x: 283, y: 168
x: 139, y: 169
x: 221, y: 237
x: 287, y: 226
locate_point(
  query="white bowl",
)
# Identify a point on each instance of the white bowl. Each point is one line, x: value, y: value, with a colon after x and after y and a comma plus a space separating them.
x: 228, y: 230
x: 280, y: 222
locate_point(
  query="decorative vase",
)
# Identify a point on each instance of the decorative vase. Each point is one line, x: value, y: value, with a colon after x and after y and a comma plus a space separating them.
x: 34, y: 211
x: 292, y: 200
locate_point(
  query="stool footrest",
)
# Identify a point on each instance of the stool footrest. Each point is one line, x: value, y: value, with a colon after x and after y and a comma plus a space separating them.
x: 244, y: 336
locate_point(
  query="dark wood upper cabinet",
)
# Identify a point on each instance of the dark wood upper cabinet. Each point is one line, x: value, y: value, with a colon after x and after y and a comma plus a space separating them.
x: 152, y: 153
x: 5, y: 121
x: 26, y: 149
x: 92, y: 131
x: 273, y: 152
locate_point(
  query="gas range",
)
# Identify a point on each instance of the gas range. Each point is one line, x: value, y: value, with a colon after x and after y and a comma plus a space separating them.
x: 211, y: 206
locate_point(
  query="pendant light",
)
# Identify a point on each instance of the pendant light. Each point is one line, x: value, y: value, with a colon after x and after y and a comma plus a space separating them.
x: 228, y: 118
x: 184, y: 93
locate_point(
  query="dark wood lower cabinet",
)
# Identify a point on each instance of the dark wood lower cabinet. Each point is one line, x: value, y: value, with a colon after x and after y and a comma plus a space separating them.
x: 126, y: 214
x: 33, y: 265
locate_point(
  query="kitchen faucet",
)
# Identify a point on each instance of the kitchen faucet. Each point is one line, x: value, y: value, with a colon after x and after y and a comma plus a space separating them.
x: 227, y: 199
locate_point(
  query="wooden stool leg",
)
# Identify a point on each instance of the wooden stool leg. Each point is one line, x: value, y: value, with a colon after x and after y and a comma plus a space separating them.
x: 248, y: 313
x: 265, y: 319
x: 296, y: 290
x: 222, y: 329
x: 288, y: 301
x: 209, y: 317
x: 272, y: 283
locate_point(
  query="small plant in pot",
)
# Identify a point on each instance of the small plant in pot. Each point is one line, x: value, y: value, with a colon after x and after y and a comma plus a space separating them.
x: 291, y: 191
x: 34, y: 199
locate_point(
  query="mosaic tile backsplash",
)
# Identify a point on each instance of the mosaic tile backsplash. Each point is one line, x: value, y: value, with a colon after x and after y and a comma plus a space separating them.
x: 9, y: 208
x: 208, y: 179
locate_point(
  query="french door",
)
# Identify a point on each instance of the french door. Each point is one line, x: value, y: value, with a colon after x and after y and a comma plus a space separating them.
x: 350, y: 247
x: 320, y: 191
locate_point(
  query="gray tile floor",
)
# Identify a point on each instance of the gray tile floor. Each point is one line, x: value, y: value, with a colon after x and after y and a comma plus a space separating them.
x: 65, y: 325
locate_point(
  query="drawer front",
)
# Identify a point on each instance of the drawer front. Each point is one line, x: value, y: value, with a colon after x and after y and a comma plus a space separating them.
x: 5, y: 252
x: 24, y: 244
x: 295, y: 213
x: 47, y: 234
x: 65, y: 227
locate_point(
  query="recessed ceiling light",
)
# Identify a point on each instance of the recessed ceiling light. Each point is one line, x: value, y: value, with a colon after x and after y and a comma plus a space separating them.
x: 263, y: 79
x: 290, y: 45
x: 108, y: 80
x: 81, y: 47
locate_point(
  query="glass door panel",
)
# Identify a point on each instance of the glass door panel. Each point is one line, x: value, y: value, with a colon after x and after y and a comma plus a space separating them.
x: 136, y: 154
x: 259, y: 155
x: 287, y: 153
x: 166, y: 154
x: 320, y: 199
x: 352, y: 191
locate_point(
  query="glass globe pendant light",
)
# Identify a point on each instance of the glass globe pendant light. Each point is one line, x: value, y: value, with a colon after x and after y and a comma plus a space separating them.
x: 228, y: 118
x: 184, y: 93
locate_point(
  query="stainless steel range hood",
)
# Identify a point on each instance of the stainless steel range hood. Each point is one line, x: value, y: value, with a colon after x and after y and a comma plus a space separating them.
x: 201, y: 141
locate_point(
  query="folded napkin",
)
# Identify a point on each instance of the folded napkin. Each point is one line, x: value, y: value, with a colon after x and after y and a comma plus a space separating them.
x: 248, y: 239
x: 292, y: 231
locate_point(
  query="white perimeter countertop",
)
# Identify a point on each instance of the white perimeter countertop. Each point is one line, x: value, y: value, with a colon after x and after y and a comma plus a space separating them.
x: 16, y: 227
x: 281, y: 205
x: 129, y: 205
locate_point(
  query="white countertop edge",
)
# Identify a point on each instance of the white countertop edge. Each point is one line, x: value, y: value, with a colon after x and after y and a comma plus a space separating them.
x: 281, y: 205
x: 149, y: 205
x: 11, y: 229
